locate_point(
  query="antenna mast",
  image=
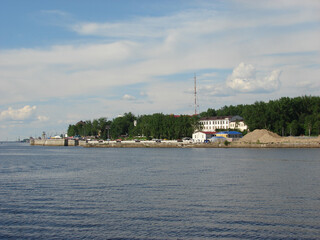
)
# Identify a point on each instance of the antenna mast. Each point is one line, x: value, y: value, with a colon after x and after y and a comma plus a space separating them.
x: 195, y: 94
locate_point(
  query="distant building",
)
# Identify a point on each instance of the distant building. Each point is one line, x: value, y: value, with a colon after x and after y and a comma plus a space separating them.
x: 222, y: 122
x: 200, y: 136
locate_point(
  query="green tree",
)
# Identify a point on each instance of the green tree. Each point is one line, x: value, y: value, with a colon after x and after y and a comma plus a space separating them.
x: 316, y: 128
x: 122, y: 126
x: 293, y: 128
x: 308, y: 122
x: 72, y: 130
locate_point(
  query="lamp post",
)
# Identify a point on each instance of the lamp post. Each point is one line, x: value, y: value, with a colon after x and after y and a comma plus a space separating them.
x: 108, y: 128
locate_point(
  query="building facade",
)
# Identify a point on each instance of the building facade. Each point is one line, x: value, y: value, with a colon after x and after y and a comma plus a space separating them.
x: 222, y: 122
x: 200, y: 137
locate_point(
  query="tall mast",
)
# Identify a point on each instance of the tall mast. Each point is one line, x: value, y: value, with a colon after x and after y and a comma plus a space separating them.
x: 195, y: 94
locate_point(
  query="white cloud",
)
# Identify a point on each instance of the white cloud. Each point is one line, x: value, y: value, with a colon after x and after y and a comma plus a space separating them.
x: 54, y: 12
x: 22, y: 115
x: 143, y: 94
x: 128, y: 97
x: 216, y: 90
x: 183, y: 45
x: 207, y: 75
x: 150, y: 27
x: 18, y: 114
x: 271, y: 82
x: 42, y: 118
x: 244, y: 79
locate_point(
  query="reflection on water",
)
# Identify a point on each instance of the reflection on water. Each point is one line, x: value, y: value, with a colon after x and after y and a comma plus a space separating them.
x: 78, y: 193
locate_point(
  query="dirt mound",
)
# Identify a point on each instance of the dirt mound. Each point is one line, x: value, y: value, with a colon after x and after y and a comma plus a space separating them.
x: 261, y: 136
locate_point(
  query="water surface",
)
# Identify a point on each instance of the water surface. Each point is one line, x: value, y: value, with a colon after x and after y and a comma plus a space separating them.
x: 109, y: 193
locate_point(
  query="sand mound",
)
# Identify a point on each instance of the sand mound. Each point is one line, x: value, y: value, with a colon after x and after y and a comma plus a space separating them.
x: 261, y: 136
x: 265, y: 136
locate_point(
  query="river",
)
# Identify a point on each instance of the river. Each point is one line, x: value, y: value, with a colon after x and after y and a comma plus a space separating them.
x: 128, y: 193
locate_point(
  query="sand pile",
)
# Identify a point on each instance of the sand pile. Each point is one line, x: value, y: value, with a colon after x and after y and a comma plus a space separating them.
x: 261, y: 136
x: 265, y: 136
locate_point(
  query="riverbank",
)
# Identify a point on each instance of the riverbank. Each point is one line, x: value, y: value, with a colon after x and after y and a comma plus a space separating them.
x: 202, y: 145
x: 142, y: 144
x: 259, y: 138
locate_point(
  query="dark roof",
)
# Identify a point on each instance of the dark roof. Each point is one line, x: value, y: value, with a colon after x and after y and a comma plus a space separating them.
x: 215, y: 118
x: 236, y: 118
x: 231, y: 118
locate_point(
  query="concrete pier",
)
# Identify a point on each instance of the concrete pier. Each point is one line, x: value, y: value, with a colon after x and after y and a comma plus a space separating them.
x: 52, y: 142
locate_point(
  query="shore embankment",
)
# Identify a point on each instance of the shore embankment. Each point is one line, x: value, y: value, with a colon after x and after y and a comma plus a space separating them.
x: 200, y: 145
x: 142, y: 144
x: 259, y: 138
x: 54, y: 142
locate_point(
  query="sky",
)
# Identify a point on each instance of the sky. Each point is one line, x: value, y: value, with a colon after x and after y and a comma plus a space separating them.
x: 66, y: 61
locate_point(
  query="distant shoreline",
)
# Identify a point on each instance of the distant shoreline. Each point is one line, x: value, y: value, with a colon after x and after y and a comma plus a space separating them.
x: 204, y: 145
x: 171, y: 144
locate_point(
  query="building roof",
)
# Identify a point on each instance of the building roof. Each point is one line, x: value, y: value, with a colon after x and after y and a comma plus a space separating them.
x: 236, y: 118
x: 229, y: 132
x: 215, y: 118
x: 209, y: 132
x: 231, y: 118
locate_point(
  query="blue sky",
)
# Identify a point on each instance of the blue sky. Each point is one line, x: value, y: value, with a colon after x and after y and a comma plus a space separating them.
x: 65, y: 61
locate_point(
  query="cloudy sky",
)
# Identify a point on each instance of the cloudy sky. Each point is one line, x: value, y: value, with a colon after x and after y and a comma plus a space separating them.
x: 65, y: 61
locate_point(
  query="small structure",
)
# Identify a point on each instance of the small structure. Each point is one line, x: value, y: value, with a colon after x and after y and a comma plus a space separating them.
x: 229, y: 135
x: 200, y: 137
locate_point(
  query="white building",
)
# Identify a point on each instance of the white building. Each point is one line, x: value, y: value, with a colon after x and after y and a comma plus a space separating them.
x: 202, y: 136
x: 222, y: 122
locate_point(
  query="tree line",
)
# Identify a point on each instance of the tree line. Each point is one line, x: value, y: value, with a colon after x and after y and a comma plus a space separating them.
x: 157, y: 125
x: 285, y: 116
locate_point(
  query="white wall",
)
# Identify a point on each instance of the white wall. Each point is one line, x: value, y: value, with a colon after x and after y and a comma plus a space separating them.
x: 198, y: 137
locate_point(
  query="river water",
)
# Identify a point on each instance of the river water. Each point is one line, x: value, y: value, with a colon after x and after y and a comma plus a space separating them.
x: 88, y: 193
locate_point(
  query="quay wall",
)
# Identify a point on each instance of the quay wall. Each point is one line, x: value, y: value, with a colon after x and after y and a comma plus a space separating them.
x: 199, y: 145
x: 72, y: 143
x: 168, y: 144
x: 58, y: 142
x: 49, y: 142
